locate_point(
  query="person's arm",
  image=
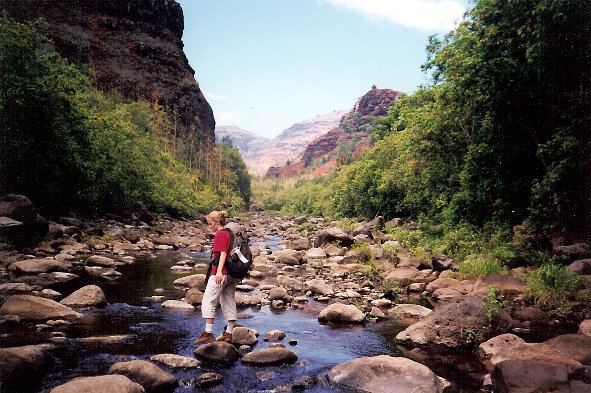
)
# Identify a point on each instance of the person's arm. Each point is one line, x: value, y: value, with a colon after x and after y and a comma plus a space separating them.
x: 218, y: 273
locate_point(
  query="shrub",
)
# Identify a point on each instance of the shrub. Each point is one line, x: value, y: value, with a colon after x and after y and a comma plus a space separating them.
x: 478, y: 266
x: 551, y: 286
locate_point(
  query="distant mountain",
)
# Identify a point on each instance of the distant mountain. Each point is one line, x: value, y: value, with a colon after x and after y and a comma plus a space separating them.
x: 259, y: 153
x: 246, y: 142
x: 346, y: 141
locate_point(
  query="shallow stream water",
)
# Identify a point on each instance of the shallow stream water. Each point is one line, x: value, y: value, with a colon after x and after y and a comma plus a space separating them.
x: 142, y: 327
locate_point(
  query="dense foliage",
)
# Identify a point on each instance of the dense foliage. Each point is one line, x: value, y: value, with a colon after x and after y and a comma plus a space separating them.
x: 500, y: 136
x: 63, y: 143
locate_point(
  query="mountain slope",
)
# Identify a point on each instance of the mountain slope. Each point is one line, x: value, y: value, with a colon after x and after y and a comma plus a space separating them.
x: 345, y: 142
x: 290, y: 143
x: 246, y: 142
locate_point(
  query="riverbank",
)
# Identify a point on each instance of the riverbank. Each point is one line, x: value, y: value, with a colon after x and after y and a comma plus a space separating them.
x: 310, y: 274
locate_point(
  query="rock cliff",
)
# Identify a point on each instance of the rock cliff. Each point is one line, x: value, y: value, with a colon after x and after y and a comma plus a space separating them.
x: 246, y: 142
x: 347, y: 141
x: 132, y: 46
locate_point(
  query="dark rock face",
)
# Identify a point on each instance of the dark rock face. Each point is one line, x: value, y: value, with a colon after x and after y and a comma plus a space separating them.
x: 132, y: 46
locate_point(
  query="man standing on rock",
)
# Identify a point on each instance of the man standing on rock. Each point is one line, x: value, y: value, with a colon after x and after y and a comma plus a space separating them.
x: 220, y: 287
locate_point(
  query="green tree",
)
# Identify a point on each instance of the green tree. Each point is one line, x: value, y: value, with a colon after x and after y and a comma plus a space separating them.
x: 43, y: 136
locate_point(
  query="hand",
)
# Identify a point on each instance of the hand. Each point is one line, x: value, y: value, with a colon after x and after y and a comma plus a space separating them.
x: 219, y: 278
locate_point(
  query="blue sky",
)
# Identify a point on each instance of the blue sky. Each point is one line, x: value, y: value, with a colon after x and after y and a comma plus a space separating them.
x: 264, y: 65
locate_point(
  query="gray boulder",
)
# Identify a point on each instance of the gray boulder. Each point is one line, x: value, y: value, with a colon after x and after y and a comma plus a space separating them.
x: 175, y: 361
x: 33, y: 308
x: 269, y: 356
x: 386, y: 374
x: 38, y: 266
x: 338, y: 312
x: 194, y: 297
x: 102, y: 384
x: 88, y: 296
x: 217, y: 352
x: 192, y: 281
x: 289, y: 257
x: 147, y: 374
x: 319, y: 287
x: 244, y: 336
x: 459, y: 324
x: 333, y: 235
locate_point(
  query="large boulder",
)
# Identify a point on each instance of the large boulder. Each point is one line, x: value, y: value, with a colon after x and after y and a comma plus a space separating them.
x: 20, y: 210
x: 404, y: 275
x: 147, y: 374
x: 244, y: 336
x: 551, y: 366
x: 289, y: 257
x: 459, y: 324
x: 508, y: 286
x: 34, y: 308
x: 217, y: 352
x: 27, y: 363
x: 385, y: 374
x: 319, y: 287
x: 88, y: 296
x: 269, y: 356
x: 175, y: 361
x: 333, y: 235
x: 17, y: 207
x: 102, y: 384
x: 192, y: 281
x: 38, y: 266
x: 344, y: 313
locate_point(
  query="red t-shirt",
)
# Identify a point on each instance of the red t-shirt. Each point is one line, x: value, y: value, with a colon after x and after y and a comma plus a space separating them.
x: 221, y: 241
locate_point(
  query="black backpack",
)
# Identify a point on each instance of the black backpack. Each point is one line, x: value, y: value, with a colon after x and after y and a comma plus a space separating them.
x: 239, y: 258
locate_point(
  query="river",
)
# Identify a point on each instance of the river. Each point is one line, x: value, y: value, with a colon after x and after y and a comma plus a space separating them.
x: 140, y: 327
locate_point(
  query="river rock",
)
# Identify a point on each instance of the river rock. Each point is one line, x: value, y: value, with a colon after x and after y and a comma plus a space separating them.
x: 37, y: 266
x: 27, y: 363
x: 450, y: 324
x: 440, y: 263
x: 289, y: 257
x: 244, y: 300
x: 298, y: 244
x: 319, y: 287
x: 279, y: 293
x: 209, y: 379
x: 417, y: 263
x: 316, y: 253
x: 414, y: 311
x: 508, y: 286
x: 290, y: 283
x: 178, y: 305
x: 194, y: 297
x: 275, y: 335
x: 15, y: 288
x: 244, y: 336
x: 176, y: 361
x: 217, y: 352
x: 102, y: 384
x: 333, y: 235
x: 463, y: 287
x: 385, y: 374
x: 581, y: 266
x: 34, y: 308
x: 404, y: 275
x: 192, y: 281
x: 268, y: 356
x: 338, y: 312
x: 99, y: 260
x: 88, y: 296
x: 585, y: 327
x: 147, y: 374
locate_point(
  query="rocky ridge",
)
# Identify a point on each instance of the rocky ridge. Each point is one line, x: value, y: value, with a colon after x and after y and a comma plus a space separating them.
x: 350, y: 137
x: 246, y: 142
x: 316, y: 262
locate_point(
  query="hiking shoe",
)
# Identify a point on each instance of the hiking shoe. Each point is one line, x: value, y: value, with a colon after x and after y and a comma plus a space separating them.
x: 204, y: 338
x: 227, y: 337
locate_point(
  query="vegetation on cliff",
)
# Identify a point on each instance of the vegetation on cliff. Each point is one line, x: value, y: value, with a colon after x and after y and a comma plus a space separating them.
x: 66, y: 143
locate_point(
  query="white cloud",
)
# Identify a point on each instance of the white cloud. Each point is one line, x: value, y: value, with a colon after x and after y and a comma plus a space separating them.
x: 427, y: 15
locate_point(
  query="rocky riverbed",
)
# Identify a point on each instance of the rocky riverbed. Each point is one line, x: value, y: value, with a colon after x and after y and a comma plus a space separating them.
x: 315, y: 315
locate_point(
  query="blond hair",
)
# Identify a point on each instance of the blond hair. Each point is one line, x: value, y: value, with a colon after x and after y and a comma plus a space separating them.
x: 218, y: 216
